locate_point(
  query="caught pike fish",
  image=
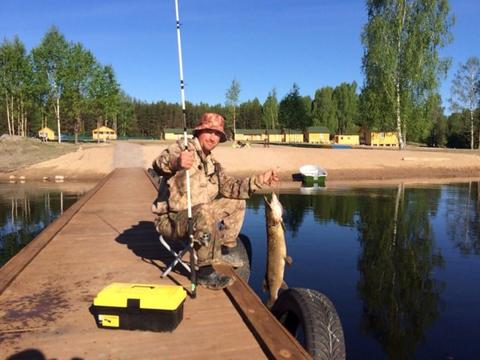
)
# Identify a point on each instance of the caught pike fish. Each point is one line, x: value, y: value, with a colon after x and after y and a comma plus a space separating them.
x: 277, y: 249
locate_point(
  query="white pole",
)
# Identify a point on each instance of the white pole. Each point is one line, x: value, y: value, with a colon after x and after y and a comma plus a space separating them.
x: 193, y: 274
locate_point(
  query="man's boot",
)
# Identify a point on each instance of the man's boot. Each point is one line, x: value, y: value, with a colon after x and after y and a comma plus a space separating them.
x: 229, y: 256
x: 211, y: 279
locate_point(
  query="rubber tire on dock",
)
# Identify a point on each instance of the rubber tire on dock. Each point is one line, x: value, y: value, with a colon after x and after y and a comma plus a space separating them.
x: 312, y: 319
x: 243, y: 251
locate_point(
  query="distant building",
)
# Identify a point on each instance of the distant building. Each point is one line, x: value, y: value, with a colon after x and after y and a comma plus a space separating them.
x: 275, y: 135
x: 249, y: 135
x: 46, y: 134
x: 104, y: 133
x: 318, y: 135
x: 293, y: 136
x: 347, y: 139
x: 375, y: 138
x: 176, y: 133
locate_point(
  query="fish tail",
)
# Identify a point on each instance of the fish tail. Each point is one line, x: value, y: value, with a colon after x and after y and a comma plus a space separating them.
x: 270, y: 302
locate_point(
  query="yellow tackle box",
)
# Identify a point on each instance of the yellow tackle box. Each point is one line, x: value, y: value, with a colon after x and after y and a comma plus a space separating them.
x: 139, y: 307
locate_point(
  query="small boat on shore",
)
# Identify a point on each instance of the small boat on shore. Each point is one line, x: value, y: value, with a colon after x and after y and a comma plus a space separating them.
x: 313, y: 174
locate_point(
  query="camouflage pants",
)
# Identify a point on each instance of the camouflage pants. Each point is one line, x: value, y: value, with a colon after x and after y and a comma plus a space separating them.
x: 218, y: 223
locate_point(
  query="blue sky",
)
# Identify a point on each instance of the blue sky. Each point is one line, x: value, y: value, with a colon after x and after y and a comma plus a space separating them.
x: 261, y: 43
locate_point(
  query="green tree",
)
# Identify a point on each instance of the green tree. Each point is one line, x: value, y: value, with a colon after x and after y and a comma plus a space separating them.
x: 50, y: 62
x: 308, y: 102
x: 324, y: 109
x: 125, y: 122
x: 250, y: 114
x: 466, y: 92
x: 292, y: 113
x: 104, y: 93
x: 270, y: 110
x: 439, y: 129
x: 458, y: 130
x: 401, y: 61
x: 346, y: 100
x: 231, y: 101
x: 78, y: 74
x: 15, y: 89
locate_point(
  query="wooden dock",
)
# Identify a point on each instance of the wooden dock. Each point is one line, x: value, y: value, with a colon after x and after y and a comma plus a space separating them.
x: 108, y: 236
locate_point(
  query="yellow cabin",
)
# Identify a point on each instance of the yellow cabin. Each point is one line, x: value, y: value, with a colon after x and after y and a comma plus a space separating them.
x: 275, y: 135
x: 46, y: 134
x: 176, y: 134
x: 375, y: 138
x: 347, y: 139
x: 104, y: 133
x: 240, y: 135
x: 250, y: 135
x: 318, y: 135
x: 293, y: 136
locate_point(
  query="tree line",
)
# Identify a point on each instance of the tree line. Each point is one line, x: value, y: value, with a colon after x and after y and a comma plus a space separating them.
x: 62, y: 85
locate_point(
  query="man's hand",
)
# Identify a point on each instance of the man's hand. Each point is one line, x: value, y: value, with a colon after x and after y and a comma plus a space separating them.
x: 185, y: 161
x: 270, y: 178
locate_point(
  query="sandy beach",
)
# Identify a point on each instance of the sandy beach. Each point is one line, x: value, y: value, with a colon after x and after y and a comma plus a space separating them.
x: 342, y: 164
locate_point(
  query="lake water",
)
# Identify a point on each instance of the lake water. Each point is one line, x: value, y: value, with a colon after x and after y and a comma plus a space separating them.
x: 401, y: 265
x: 26, y: 209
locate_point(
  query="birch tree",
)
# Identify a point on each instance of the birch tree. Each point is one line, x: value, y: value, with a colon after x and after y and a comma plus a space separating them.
x: 346, y: 101
x: 15, y: 78
x: 401, y: 63
x: 50, y: 62
x: 465, y: 91
x: 270, y: 110
x: 232, y: 100
x: 104, y: 95
x: 324, y: 110
x: 78, y: 75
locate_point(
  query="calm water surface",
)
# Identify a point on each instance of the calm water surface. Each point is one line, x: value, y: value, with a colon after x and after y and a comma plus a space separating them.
x: 401, y: 265
x: 25, y: 209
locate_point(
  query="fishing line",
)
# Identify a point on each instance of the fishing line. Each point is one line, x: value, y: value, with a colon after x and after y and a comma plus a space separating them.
x: 278, y: 183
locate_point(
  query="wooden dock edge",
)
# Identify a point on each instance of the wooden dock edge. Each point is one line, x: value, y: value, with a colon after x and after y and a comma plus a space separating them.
x: 17, y: 263
x: 274, y: 339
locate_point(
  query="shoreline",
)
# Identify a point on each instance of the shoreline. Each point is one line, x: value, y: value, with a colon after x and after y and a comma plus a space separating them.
x: 352, y: 166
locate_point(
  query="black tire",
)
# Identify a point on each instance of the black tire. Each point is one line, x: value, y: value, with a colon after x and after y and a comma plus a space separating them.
x: 243, y: 251
x: 312, y: 319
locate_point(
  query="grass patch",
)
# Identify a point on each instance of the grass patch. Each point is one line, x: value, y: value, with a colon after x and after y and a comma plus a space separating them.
x: 17, y: 152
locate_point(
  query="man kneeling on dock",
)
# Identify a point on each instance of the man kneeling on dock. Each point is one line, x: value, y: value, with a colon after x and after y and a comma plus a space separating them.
x: 218, y: 200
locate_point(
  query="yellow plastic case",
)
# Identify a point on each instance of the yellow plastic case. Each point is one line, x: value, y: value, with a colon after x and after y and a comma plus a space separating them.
x: 139, y: 307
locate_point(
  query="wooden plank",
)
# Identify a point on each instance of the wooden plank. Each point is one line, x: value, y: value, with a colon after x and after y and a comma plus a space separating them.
x: 274, y: 338
x: 16, y: 264
x: 46, y: 306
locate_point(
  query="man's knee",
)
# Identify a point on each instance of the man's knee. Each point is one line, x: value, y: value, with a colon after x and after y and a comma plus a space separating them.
x: 203, y: 224
x: 164, y: 226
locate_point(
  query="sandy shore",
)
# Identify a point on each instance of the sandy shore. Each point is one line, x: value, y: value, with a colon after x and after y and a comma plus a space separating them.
x: 341, y: 164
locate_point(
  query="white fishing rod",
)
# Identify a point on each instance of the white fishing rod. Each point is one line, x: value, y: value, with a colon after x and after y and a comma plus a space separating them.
x: 193, y: 272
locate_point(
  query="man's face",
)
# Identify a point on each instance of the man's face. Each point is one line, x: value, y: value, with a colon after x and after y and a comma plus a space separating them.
x: 208, y: 140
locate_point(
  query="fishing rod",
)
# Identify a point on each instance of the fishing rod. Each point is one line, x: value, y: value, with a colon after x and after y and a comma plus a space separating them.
x: 193, y: 271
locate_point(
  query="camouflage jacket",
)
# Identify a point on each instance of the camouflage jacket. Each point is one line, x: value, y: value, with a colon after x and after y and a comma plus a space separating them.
x: 207, y: 180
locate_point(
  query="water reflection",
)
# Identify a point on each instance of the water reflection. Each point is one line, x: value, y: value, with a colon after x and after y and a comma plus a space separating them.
x: 26, y: 209
x: 405, y: 294
x: 398, y: 255
x: 462, y: 217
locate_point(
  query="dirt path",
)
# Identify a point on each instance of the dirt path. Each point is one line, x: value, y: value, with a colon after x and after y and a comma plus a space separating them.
x: 127, y: 155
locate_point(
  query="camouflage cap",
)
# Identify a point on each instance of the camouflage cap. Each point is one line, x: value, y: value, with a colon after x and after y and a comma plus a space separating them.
x: 212, y: 121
